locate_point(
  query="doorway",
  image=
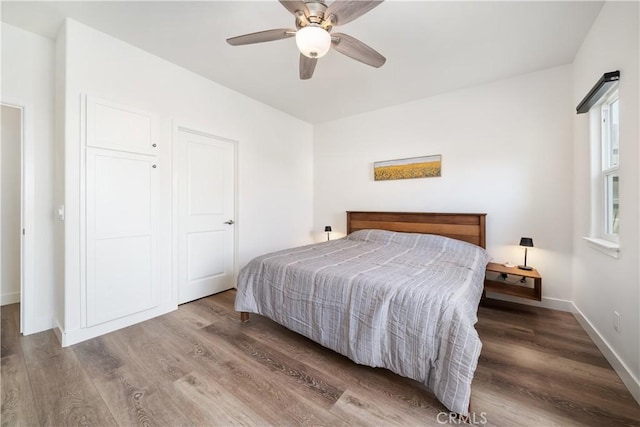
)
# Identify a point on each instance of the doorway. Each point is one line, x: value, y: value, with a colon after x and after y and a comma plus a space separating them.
x: 11, y: 204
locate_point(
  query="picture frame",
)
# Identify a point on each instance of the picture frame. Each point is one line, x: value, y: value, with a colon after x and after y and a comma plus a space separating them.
x: 409, y: 168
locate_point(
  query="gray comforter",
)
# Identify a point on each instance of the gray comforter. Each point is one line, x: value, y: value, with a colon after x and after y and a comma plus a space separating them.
x: 406, y: 302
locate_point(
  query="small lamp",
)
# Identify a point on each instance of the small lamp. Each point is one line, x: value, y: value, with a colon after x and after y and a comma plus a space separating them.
x: 327, y: 229
x: 527, y: 242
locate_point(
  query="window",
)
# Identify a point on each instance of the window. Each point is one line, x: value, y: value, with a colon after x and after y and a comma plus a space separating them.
x: 610, y: 114
x: 604, y: 112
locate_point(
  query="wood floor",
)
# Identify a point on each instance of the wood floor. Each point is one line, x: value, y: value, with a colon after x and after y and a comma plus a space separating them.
x: 200, y: 366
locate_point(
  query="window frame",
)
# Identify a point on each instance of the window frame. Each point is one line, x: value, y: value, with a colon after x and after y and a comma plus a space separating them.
x: 610, y: 167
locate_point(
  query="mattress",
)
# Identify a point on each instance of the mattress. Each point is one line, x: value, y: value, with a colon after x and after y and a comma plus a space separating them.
x: 402, y: 301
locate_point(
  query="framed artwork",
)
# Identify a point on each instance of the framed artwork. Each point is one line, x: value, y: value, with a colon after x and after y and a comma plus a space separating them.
x: 414, y: 167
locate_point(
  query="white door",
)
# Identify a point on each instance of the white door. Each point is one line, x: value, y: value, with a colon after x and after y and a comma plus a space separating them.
x: 122, y: 223
x: 17, y: 125
x: 206, y: 214
x: 122, y: 212
x: 11, y: 205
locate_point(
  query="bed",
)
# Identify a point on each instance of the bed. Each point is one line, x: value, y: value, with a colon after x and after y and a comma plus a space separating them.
x: 400, y: 291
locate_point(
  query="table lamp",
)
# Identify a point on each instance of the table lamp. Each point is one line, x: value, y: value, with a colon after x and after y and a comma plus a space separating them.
x: 527, y: 242
x: 327, y: 229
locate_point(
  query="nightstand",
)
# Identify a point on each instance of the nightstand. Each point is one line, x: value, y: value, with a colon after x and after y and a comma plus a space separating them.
x: 504, y: 280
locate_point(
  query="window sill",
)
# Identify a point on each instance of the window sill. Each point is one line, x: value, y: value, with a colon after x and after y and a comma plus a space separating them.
x: 605, y: 246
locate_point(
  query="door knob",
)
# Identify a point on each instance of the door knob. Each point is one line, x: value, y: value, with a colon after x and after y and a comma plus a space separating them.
x: 230, y: 222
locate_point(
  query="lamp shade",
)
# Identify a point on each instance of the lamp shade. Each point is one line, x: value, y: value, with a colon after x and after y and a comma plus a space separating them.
x: 327, y: 229
x: 313, y: 41
x: 526, y: 241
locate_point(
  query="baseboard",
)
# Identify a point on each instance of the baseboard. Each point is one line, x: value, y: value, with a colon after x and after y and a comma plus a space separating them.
x: 551, y: 303
x: 609, y: 353
x: 57, y: 330
x: 10, y: 298
x: 41, y: 324
x: 631, y: 382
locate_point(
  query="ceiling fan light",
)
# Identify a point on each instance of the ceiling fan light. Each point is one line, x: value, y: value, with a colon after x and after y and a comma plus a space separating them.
x: 313, y: 41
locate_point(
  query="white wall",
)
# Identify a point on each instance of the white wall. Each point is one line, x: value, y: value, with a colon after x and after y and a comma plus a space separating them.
x: 11, y: 146
x: 506, y: 151
x: 275, y: 149
x: 603, y: 284
x: 27, y: 80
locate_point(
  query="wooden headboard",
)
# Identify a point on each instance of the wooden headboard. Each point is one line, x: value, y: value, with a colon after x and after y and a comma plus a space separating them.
x: 469, y: 227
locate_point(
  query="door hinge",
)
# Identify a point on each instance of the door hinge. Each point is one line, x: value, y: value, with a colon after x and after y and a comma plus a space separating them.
x: 23, y: 232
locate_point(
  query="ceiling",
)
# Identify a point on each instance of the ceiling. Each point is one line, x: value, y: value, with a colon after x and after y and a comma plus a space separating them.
x: 431, y: 47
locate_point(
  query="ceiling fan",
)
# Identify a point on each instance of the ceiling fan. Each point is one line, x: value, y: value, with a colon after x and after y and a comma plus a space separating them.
x: 314, y: 22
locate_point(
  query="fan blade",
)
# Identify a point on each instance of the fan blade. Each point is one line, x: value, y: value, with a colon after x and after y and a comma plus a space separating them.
x: 262, y: 36
x: 357, y: 50
x: 347, y: 11
x: 295, y: 5
x: 307, y: 66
